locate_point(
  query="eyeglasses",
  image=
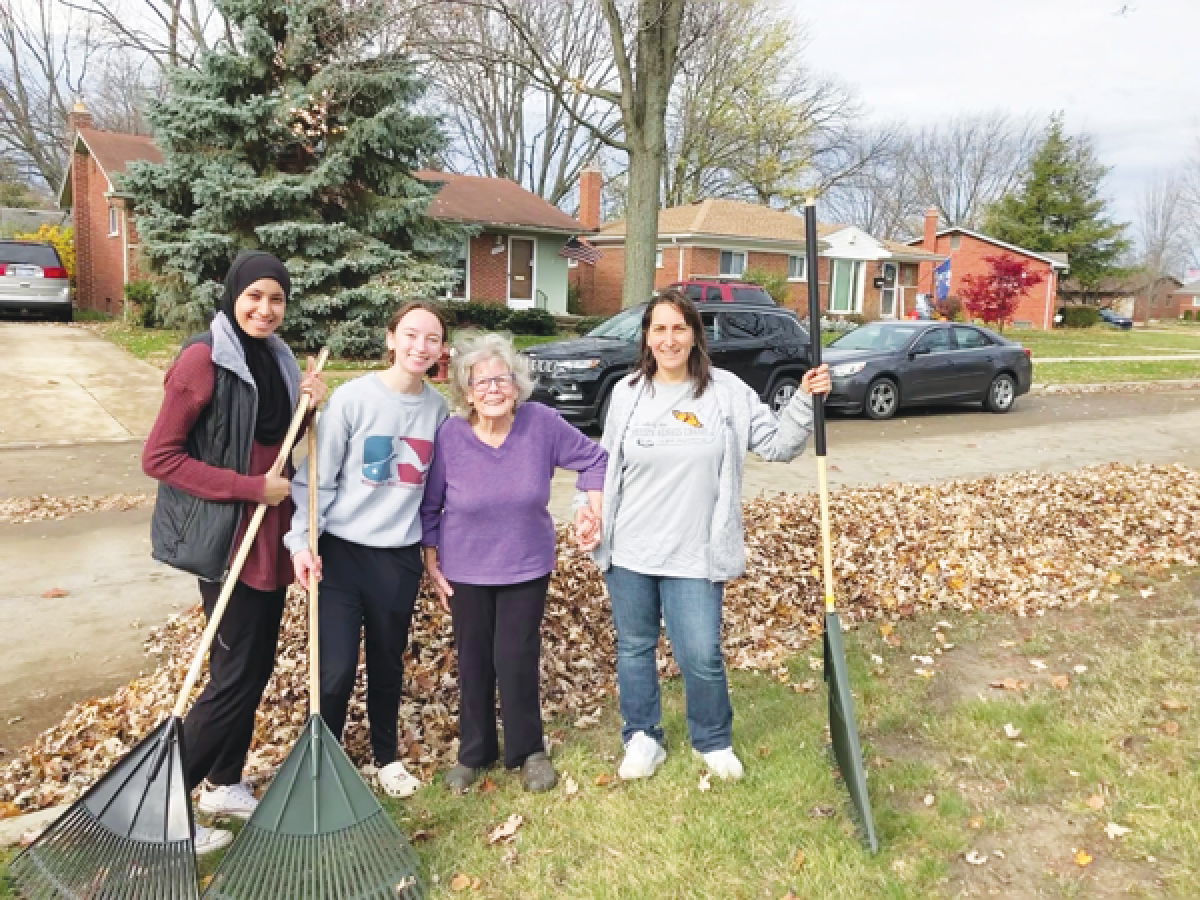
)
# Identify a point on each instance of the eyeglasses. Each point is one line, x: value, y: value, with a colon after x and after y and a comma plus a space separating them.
x: 499, y: 382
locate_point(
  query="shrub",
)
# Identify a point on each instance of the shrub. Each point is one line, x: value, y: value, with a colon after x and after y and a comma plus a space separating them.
x: 1187, y: 315
x: 587, y: 323
x: 574, y: 300
x: 836, y: 324
x: 951, y: 309
x: 141, y: 298
x: 774, y: 283
x: 63, y: 239
x: 1080, y: 316
x: 855, y: 319
x: 488, y: 316
x: 531, y: 321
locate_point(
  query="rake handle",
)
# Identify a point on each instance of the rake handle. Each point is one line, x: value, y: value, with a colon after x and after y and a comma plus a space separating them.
x: 235, y: 570
x: 814, y: 336
x: 314, y: 636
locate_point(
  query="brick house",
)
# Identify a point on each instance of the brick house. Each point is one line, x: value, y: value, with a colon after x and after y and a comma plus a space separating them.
x: 106, y: 242
x: 1187, y: 299
x: 724, y: 239
x: 968, y: 250
x: 1138, y: 296
x: 513, y: 259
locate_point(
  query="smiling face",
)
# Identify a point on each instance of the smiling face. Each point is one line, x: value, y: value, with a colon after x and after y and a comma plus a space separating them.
x: 416, y: 341
x: 493, y: 389
x: 260, y: 307
x: 670, y: 339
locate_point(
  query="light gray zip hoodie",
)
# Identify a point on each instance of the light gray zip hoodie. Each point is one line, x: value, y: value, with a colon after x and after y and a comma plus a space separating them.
x: 750, y: 426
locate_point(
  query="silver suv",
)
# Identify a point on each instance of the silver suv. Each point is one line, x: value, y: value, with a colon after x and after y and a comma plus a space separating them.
x: 34, y: 280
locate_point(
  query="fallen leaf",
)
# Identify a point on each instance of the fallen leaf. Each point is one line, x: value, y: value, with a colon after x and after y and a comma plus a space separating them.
x: 421, y: 834
x: 1010, y: 732
x: 975, y: 823
x: 886, y: 629
x: 1170, y: 727
x: 1173, y: 705
x: 506, y: 830
x: 924, y: 673
x: 1009, y: 684
x: 1095, y: 801
x: 1062, y: 682
x: 9, y: 810
x: 1038, y: 664
x: 1114, y: 831
x: 1080, y: 669
x: 975, y: 858
x: 55, y: 593
x: 460, y: 882
x: 798, y: 861
x: 511, y: 857
x: 604, y: 780
x: 1083, y: 858
x: 1114, y: 578
x: 487, y: 786
x: 930, y: 800
x: 821, y: 812
x: 894, y: 640
x: 704, y: 783
x: 570, y: 786
x: 1008, y: 643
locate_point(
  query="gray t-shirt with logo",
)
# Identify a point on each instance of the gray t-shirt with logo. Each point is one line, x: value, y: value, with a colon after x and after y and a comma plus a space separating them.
x: 672, y: 456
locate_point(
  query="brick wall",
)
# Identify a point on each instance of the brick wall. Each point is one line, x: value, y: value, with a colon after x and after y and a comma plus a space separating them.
x: 970, y: 259
x: 100, y: 283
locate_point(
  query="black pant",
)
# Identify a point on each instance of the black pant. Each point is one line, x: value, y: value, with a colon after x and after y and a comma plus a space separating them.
x: 219, y: 728
x: 369, y: 589
x: 498, y: 638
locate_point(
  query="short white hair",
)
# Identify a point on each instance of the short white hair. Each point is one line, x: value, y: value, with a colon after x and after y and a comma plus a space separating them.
x: 472, y: 347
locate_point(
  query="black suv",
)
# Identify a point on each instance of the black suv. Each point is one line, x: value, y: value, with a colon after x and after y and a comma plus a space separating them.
x: 766, y: 347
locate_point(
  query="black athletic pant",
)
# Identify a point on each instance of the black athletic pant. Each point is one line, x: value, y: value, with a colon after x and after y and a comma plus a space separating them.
x: 498, y: 639
x: 371, y: 590
x: 218, y: 730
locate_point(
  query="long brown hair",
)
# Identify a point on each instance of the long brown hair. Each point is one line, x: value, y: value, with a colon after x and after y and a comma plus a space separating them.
x: 398, y: 316
x: 699, y: 365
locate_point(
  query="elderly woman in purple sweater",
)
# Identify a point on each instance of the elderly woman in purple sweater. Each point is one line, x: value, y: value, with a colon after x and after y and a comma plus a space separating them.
x: 489, y: 547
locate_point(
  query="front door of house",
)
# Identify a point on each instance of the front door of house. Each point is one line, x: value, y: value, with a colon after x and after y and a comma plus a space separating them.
x: 887, y: 294
x: 520, y: 272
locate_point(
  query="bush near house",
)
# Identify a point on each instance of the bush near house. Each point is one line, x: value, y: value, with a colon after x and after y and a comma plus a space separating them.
x: 488, y: 316
x: 587, y: 323
x: 63, y: 239
x: 141, y: 300
x: 1080, y: 316
x: 531, y: 321
x: 774, y: 283
x: 1187, y: 315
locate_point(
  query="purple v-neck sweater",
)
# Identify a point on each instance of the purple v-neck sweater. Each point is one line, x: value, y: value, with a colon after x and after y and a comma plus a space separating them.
x: 485, y: 507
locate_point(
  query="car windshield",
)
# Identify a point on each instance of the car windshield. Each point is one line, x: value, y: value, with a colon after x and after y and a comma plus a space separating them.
x: 624, y: 326
x: 29, y: 254
x: 878, y: 337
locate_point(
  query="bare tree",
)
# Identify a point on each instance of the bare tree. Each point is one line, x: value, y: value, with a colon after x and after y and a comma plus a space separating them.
x: 127, y: 85
x: 1161, y: 226
x: 170, y: 32
x: 970, y: 162
x: 1191, y: 205
x: 43, y: 63
x: 882, y: 197
x: 503, y: 120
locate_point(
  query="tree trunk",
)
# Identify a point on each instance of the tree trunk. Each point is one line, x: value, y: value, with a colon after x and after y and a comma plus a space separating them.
x: 641, y: 222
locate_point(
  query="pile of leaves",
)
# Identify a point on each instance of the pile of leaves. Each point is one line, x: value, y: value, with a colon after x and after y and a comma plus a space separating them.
x: 1022, y: 543
x: 44, y: 507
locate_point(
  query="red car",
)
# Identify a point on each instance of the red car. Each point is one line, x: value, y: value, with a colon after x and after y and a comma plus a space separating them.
x: 723, y: 292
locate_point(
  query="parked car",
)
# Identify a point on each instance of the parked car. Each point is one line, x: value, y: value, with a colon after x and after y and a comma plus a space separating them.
x: 705, y: 291
x: 1116, y: 321
x: 765, y: 346
x: 883, y: 366
x: 34, y: 281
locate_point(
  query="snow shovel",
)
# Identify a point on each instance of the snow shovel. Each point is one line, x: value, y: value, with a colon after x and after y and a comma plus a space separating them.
x: 318, y: 832
x: 843, y: 727
x: 130, y: 836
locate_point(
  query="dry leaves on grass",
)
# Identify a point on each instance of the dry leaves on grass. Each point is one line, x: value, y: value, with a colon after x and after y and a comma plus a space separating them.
x: 1020, y: 543
x: 22, y: 510
x: 506, y: 830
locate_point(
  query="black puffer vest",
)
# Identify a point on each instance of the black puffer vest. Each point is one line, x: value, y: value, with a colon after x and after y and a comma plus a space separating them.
x: 196, y: 535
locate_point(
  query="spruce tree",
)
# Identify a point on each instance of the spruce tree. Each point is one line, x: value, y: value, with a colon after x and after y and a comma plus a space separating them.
x: 1059, y: 208
x: 297, y: 138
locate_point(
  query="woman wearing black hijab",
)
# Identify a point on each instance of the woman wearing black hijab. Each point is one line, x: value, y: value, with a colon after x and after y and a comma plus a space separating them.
x: 229, y: 400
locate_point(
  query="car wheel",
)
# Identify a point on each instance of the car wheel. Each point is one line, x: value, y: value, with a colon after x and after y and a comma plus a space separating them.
x: 782, y: 392
x: 883, y: 399
x: 1001, y: 395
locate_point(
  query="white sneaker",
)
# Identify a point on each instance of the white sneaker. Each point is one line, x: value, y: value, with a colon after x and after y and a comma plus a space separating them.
x: 723, y: 763
x: 396, y: 780
x: 643, y: 756
x: 233, y: 800
x: 210, y: 840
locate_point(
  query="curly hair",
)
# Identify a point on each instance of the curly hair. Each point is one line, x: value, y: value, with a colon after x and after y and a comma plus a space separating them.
x: 472, y: 347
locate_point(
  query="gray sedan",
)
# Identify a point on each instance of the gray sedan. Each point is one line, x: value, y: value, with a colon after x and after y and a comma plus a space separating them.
x: 883, y: 366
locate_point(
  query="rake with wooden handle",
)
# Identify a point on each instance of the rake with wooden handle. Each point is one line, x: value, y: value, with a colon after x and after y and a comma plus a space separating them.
x: 843, y: 727
x: 318, y: 833
x: 130, y: 836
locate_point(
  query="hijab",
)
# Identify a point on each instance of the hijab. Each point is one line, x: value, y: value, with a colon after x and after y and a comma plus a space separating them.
x: 274, y: 402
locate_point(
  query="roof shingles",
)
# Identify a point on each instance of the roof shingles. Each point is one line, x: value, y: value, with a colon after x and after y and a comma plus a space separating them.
x: 478, y: 200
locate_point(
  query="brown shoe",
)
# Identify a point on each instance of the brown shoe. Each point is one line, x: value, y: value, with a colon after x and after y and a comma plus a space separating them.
x: 537, y: 774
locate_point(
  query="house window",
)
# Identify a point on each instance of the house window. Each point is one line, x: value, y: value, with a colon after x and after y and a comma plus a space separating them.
x: 908, y: 275
x: 461, y: 265
x: 845, y: 295
x: 114, y: 224
x: 658, y: 262
x: 796, y: 268
x: 733, y: 263
x: 955, y: 241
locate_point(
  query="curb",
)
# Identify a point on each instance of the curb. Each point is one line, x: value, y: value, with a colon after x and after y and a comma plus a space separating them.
x: 12, y: 829
x: 1133, y: 387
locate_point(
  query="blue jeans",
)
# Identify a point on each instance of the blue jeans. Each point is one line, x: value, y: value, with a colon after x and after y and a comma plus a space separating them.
x: 691, y: 608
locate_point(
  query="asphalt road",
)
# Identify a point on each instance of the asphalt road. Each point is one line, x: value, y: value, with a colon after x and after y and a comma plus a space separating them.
x: 88, y: 441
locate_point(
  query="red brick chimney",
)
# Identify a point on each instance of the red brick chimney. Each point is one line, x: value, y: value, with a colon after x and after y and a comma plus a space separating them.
x: 591, y: 182
x: 81, y: 208
x: 931, y: 227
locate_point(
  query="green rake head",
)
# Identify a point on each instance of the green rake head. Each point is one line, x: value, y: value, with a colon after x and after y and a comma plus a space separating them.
x: 319, y: 834
x: 843, y: 727
x: 128, y: 838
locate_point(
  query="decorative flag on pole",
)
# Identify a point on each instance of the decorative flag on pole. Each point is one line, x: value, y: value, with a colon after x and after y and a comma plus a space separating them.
x: 581, y: 251
x: 941, y: 281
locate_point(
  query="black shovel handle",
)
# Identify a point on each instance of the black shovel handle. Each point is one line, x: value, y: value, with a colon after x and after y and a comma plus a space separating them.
x: 814, y: 315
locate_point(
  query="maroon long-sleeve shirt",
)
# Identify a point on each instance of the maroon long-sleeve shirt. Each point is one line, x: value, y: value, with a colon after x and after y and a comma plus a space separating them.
x: 189, y: 389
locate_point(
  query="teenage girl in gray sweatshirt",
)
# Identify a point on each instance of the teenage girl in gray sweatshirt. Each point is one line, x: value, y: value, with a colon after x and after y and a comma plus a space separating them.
x: 375, y: 444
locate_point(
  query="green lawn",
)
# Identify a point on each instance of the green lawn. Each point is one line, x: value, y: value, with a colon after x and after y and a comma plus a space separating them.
x: 1100, y: 372
x: 1105, y: 341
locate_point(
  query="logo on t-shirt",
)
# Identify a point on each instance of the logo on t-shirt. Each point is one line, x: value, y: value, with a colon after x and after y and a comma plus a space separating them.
x: 400, y: 461
x: 687, y: 418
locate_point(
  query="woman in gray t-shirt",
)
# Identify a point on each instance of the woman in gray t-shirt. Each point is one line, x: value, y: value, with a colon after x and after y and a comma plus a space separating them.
x: 677, y: 435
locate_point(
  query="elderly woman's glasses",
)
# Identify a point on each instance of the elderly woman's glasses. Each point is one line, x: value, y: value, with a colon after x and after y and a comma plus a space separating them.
x: 499, y: 382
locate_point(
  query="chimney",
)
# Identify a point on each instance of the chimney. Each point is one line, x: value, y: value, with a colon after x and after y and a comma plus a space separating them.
x: 931, y: 227
x: 79, y: 117
x: 591, y: 182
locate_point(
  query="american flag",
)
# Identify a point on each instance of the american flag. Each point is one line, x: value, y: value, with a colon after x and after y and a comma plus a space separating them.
x: 581, y: 251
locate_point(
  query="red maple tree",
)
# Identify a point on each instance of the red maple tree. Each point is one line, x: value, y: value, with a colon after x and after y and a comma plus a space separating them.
x: 994, y: 297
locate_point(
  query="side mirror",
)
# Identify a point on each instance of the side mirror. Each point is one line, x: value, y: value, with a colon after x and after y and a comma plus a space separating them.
x: 918, y: 351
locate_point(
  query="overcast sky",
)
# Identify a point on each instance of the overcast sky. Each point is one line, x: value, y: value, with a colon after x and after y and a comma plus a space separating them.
x: 1131, y: 79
